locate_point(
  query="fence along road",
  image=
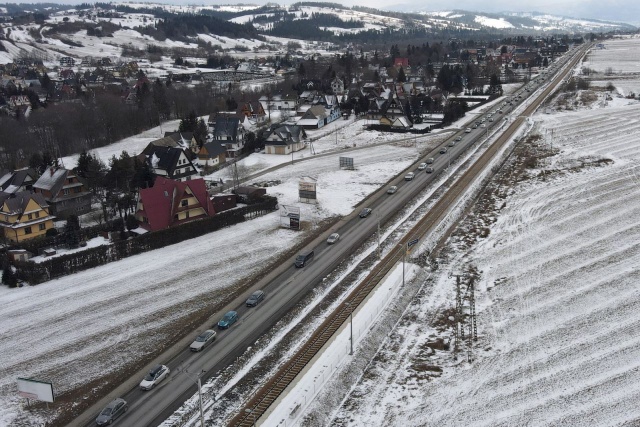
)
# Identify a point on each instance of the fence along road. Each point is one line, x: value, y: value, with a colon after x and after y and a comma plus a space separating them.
x: 271, y: 390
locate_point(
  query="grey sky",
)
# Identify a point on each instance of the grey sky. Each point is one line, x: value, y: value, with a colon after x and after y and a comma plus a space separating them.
x: 627, y: 11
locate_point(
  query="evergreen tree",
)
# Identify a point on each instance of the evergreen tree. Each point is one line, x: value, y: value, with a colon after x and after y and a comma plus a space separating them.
x: 9, y: 277
x: 72, y: 231
x: 189, y: 123
x: 401, y: 77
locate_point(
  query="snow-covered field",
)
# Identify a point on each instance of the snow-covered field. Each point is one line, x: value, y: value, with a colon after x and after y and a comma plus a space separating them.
x: 557, y: 294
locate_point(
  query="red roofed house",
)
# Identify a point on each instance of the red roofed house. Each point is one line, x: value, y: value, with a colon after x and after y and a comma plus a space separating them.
x: 169, y: 203
x: 401, y: 62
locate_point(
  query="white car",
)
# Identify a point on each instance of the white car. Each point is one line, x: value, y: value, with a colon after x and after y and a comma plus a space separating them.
x: 409, y: 176
x: 422, y: 166
x: 154, y: 376
x: 203, y: 340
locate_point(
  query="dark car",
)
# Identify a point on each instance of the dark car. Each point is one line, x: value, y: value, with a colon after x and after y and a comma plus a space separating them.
x: 228, y: 319
x: 429, y: 170
x: 365, y: 212
x: 255, y: 298
x: 112, y: 411
x: 303, y: 258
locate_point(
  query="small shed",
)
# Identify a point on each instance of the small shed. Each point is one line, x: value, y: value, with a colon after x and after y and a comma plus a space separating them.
x: 19, y: 255
x: 249, y: 193
x: 223, y: 202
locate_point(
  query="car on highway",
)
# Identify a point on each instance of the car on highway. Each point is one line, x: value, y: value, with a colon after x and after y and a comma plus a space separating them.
x: 303, y: 258
x: 429, y: 169
x: 430, y: 160
x: 334, y: 237
x: 443, y: 150
x: 112, y: 411
x: 365, y: 213
x: 459, y: 138
x: 483, y: 125
x: 228, y: 319
x: 409, y: 176
x: 203, y: 340
x: 392, y: 189
x: 156, y: 375
x: 452, y: 143
x: 475, y: 126
x: 422, y: 166
x: 467, y: 130
x: 255, y: 298
x: 490, y: 119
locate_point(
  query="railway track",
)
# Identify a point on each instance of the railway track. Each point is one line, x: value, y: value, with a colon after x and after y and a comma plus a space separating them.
x: 259, y: 403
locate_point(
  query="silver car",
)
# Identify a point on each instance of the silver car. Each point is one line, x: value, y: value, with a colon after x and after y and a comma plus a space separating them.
x: 203, y: 340
x: 112, y: 411
x: 333, y: 238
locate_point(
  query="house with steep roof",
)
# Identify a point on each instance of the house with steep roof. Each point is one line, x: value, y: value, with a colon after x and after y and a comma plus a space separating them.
x: 284, y: 139
x: 212, y: 153
x: 284, y: 103
x: 19, y: 180
x: 318, y: 115
x: 184, y: 140
x: 337, y: 85
x: 24, y: 215
x: 170, y: 203
x: 254, y: 111
x: 172, y: 163
x: 228, y: 130
x: 65, y: 193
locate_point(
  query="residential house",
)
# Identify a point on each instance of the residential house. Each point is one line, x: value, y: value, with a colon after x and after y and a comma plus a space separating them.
x: 283, y: 103
x: 184, y: 140
x: 254, y: 111
x: 16, y: 101
x: 228, y: 130
x: 17, y: 181
x: 170, y: 203
x: 284, y: 139
x: 337, y: 85
x: 401, y: 62
x: 169, y: 140
x: 24, y: 215
x: 65, y: 193
x: 317, y: 116
x: 67, y: 61
x: 212, y: 153
x: 172, y: 163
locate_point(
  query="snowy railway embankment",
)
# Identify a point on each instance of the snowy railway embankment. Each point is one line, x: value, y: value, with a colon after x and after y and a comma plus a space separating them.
x: 556, y: 247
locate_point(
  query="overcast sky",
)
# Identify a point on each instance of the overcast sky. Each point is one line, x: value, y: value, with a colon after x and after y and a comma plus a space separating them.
x: 627, y: 11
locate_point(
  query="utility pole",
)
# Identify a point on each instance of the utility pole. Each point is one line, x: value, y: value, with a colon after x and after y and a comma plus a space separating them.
x: 473, y: 332
x: 379, y: 248
x: 457, y: 317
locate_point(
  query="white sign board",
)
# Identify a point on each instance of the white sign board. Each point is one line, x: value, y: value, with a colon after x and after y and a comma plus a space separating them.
x: 34, y: 389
